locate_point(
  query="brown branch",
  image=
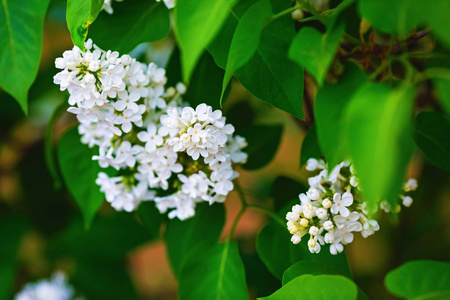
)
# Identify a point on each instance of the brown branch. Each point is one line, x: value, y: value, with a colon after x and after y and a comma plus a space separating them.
x: 377, y: 50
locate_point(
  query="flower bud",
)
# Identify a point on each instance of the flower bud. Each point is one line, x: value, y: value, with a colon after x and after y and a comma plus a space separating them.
x: 313, y: 230
x: 304, y: 222
x: 292, y: 216
x: 313, y: 194
x: 296, y: 239
x: 312, y: 243
x: 312, y: 164
x: 297, y: 15
x: 297, y: 209
x: 326, y: 203
x: 329, y: 238
x: 94, y: 66
x: 407, y: 201
x: 328, y: 225
x: 321, y: 213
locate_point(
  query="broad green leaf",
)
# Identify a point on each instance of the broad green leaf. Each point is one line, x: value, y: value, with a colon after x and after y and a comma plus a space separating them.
x: 329, y: 111
x: 315, y: 51
x: 216, y: 273
x: 196, y: 24
x: 133, y: 22
x: 111, y: 278
x: 219, y: 47
x: 443, y: 88
x: 432, y: 136
x: 79, y: 172
x: 80, y: 14
x: 314, y: 268
x: 205, y: 85
x: 11, y: 233
x: 421, y: 279
x: 110, y: 237
x: 437, y: 17
x: 278, y: 253
x: 269, y: 74
x: 399, y: 19
x: 240, y: 115
x: 321, y: 287
x: 404, y: 15
x: 263, y: 142
x: 284, y: 190
x: 246, y: 38
x: 310, y: 146
x: 199, y: 232
x: 307, y: 267
x: 150, y: 217
x: 20, y: 46
x: 380, y: 134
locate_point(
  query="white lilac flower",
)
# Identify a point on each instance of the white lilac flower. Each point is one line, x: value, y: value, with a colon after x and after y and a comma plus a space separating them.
x: 147, y: 133
x: 335, y: 222
x: 57, y: 288
x: 151, y: 138
x: 340, y: 204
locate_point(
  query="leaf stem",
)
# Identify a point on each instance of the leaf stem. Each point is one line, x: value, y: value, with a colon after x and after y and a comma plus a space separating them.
x: 244, y: 206
x: 352, y: 39
x: 437, y: 73
x: 286, y: 11
x: 314, y: 12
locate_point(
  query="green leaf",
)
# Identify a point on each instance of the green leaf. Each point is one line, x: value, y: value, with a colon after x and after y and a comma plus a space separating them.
x: 310, y: 146
x: 110, y: 237
x: 380, y: 134
x: 443, y: 88
x: 263, y: 142
x: 284, y: 190
x: 205, y: 85
x: 133, y: 22
x: 404, y: 15
x: 240, y: 115
x: 432, y: 131
x: 437, y: 17
x: 278, y: 253
x: 315, y: 51
x: 329, y: 111
x: 80, y: 14
x: 321, y: 287
x: 196, y: 24
x: 399, y: 19
x: 269, y: 74
x: 199, y: 232
x: 20, y: 46
x: 150, y: 217
x: 215, y: 273
x: 307, y: 267
x: 79, y: 172
x: 314, y: 268
x: 421, y: 279
x: 246, y: 38
x: 13, y: 229
x: 111, y: 277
